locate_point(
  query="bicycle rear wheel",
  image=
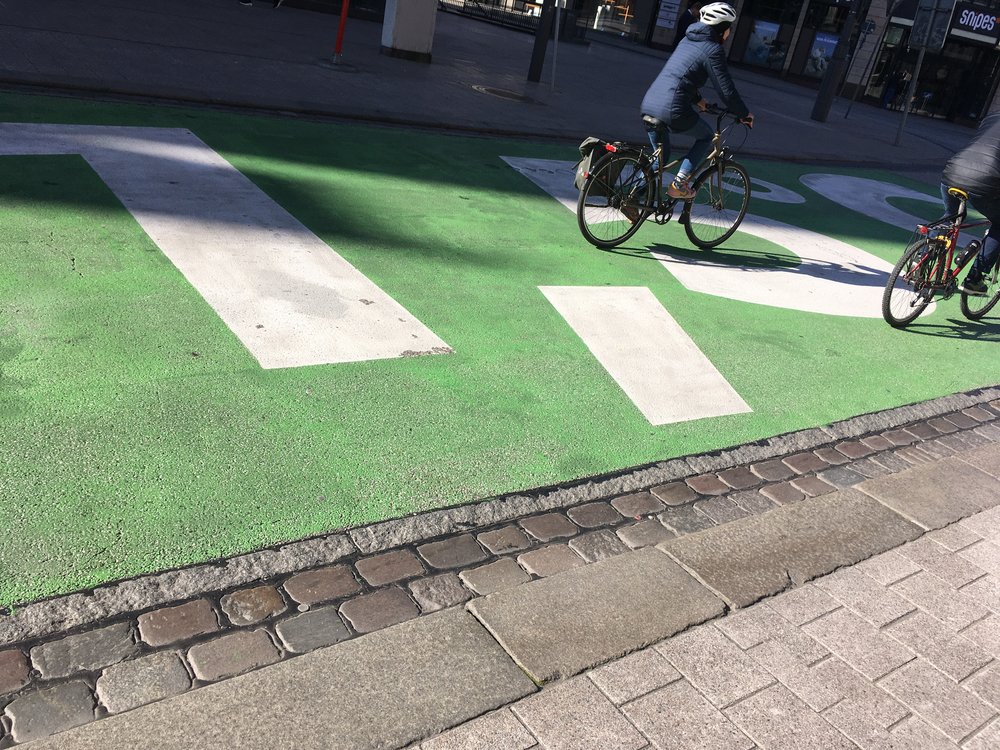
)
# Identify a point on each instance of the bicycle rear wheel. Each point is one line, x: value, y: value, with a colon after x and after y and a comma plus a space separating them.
x: 908, y: 290
x: 616, y: 199
x: 722, y: 193
x: 974, y: 307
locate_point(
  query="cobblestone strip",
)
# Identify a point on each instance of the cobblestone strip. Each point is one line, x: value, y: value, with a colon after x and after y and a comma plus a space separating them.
x: 861, y: 658
x: 330, y: 591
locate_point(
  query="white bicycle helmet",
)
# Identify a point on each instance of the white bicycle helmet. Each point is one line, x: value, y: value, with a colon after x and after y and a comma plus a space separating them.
x: 716, y: 13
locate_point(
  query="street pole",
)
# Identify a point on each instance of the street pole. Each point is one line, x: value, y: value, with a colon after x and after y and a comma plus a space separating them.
x: 541, y: 40
x: 555, y: 45
x: 337, y: 56
x: 930, y: 29
x: 910, y: 91
x: 864, y: 73
x: 827, y: 89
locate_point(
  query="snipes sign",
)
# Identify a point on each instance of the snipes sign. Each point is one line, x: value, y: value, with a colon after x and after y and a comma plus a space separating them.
x: 975, y: 22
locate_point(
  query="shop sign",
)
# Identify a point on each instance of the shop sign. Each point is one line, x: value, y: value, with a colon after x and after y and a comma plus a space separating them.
x: 975, y: 22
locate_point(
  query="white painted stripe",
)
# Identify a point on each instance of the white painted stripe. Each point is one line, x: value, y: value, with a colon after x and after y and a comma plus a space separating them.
x: 773, y: 192
x: 554, y: 176
x: 870, y: 197
x: 832, y: 277
x: 286, y: 295
x: 647, y: 353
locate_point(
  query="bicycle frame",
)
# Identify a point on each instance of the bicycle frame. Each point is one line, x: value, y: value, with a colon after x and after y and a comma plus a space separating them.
x: 662, y: 208
x: 943, y: 275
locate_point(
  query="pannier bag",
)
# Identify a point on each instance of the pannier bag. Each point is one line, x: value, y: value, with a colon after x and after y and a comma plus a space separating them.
x: 591, y: 150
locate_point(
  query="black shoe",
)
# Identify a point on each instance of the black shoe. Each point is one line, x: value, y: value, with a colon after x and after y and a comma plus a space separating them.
x: 246, y: 2
x: 975, y: 287
x: 277, y: 3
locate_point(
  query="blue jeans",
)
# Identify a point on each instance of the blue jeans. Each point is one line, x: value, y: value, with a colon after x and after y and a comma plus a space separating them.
x: 990, y: 251
x: 702, y: 133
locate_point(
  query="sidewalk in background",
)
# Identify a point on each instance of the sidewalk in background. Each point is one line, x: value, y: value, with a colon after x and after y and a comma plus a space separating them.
x: 217, y: 51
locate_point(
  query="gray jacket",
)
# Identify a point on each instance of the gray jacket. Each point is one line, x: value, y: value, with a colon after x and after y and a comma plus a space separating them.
x: 675, y: 92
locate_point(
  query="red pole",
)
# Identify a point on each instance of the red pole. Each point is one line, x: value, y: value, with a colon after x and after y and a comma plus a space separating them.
x: 340, y: 30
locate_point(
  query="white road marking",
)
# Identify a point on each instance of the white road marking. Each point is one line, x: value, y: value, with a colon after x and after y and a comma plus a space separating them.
x: 773, y: 193
x: 832, y: 277
x: 284, y: 292
x: 554, y: 176
x: 868, y: 197
x: 647, y: 353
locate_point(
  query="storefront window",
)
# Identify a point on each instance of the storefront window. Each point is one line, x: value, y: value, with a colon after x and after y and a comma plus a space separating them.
x: 629, y: 19
x: 826, y: 17
x: 763, y: 47
x: 773, y: 10
x: 766, y: 29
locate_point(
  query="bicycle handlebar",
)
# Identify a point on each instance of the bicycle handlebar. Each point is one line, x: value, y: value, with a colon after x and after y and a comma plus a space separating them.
x: 720, y: 112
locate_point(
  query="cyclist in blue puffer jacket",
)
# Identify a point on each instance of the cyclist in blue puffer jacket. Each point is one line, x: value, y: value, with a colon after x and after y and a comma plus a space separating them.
x: 673, y: 100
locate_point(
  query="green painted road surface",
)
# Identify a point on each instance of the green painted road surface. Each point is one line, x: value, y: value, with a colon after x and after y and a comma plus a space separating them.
x: 139, y: 433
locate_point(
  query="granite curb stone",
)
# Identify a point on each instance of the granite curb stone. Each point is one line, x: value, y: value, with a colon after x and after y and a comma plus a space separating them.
x: 55, y: 709
x: 168, y: 625
x: 144, y: 680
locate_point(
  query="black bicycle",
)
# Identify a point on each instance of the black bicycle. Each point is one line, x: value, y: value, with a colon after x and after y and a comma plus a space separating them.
x: 930, y: 267
x: 622, y: 190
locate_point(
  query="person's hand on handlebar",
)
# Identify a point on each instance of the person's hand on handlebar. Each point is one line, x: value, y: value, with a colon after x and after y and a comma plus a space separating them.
x: 748, y: 120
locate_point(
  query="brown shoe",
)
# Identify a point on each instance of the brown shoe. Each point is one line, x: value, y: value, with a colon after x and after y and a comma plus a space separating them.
x: 680, y: 191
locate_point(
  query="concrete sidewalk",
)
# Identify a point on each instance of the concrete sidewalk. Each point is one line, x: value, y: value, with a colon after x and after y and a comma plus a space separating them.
x: 219, y: 52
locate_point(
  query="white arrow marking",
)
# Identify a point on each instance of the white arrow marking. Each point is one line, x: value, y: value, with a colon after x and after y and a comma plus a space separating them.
x: 286, y: 295
x: 832, y: 277
x: 647, y: 353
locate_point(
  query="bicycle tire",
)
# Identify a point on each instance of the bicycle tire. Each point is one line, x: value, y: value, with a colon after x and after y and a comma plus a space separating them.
x: 968, y: 302
x: 907, y: 293
x: 618, y: 181
x: 719, y: 204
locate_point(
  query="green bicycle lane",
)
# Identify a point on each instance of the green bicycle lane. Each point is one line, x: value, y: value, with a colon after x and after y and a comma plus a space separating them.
x: 139, y: 432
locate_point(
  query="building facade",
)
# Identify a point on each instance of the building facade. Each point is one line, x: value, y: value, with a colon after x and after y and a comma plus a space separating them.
x: 795, y: 39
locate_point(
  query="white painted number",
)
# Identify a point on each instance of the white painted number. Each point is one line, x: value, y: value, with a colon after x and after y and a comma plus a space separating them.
x: 286, y: 295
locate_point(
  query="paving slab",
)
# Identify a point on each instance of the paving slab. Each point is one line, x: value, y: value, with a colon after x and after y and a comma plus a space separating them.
x: 986, y: 458
x: 383, y: 690
x: 758, y: 556
x: 936, y: 494
x: 611, y: 608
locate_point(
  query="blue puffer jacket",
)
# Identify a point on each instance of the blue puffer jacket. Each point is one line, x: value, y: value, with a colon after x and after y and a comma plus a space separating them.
x: 673, y: 95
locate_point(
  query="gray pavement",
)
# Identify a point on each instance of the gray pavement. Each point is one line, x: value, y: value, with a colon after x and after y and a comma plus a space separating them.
x: 219, y: 52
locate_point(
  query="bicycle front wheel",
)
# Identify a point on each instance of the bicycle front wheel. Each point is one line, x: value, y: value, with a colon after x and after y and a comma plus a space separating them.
x: 616, y: 199
x: 974, y: 307
x: 722, y: 193
x: 908, y: 291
